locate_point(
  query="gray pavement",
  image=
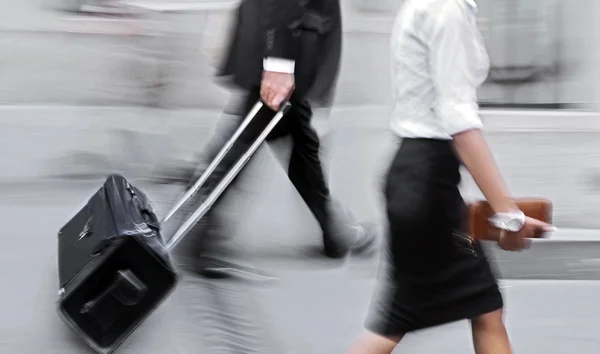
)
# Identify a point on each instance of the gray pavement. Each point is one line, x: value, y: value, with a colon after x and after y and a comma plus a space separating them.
x: 317, y: 306
x: 552, y: 155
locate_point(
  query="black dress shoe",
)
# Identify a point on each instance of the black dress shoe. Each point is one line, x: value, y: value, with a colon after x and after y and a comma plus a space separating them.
x: 364, y: 238
x: 366, y: 244
x: 335, y: 252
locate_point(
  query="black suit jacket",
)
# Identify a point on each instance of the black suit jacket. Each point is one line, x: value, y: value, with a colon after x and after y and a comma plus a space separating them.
x: 307, y: 31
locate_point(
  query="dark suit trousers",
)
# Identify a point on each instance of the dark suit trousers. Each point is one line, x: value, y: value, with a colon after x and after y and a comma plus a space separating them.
x: 305, y: 170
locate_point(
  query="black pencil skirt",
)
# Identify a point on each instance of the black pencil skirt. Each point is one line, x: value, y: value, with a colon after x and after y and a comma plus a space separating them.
x: 435, y: 273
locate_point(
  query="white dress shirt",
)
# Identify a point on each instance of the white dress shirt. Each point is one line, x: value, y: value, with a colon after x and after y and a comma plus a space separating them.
x: 438, y: 61
x: 279, y: 65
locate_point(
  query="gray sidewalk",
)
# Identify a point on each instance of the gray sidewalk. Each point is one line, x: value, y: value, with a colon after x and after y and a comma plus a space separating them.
x: 560, y: 160
x: 316, y: 307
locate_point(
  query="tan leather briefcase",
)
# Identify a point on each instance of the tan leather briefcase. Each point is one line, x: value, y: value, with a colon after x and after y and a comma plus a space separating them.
x: 481, y: 211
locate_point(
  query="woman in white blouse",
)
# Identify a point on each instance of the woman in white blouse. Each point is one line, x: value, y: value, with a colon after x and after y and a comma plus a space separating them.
x: 437, y: 273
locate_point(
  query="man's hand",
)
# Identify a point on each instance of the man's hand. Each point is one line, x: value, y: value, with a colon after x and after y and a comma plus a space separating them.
x: 275, y: 88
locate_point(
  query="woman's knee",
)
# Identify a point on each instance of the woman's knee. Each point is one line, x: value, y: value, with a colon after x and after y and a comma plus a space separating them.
x: 489, y: 321
x: 371, y: 343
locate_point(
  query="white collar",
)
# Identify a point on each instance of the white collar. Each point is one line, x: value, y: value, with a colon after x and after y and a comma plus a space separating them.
x: 472, y: 3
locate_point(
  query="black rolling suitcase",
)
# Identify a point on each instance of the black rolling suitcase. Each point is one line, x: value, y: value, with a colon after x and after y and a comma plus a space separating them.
x: 113, y: 264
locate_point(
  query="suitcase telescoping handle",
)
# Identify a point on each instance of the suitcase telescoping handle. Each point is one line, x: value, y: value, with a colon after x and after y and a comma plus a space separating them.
x: 214, y: 163
x: 220, y: 188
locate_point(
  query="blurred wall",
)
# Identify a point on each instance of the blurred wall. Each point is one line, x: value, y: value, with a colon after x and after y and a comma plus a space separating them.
x: 549, y: 36
x: 86, y: 61
x: 47, y: 58
x: 50, y: 58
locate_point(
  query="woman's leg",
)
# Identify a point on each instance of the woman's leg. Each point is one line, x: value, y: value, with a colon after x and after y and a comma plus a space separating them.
x: 371, y: 343
x: 489, y: 337
x: 489, y: 334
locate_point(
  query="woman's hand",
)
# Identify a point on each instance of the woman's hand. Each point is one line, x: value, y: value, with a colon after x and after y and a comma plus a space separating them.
x: 516, y: 241
x: 475, y: 155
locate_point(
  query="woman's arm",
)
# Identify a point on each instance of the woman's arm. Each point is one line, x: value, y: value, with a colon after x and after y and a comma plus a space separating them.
x: 454, y: 70
x: 477, y: 158
x: 452, y: 62
x: 473, y: 150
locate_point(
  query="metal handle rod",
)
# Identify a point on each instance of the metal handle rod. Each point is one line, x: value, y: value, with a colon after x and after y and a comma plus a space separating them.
x: 213, y: 165
x: 212, y: 197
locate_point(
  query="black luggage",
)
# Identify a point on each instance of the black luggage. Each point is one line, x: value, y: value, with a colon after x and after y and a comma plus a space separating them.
x: 113, y: 263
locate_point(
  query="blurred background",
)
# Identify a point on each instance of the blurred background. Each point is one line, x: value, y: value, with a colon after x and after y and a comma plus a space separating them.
x: 89, y: 87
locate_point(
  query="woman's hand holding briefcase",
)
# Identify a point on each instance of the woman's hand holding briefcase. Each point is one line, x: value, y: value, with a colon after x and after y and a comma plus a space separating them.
x: 512, y: 231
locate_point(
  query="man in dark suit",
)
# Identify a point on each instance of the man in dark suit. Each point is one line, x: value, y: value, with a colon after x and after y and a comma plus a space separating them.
x: 284, y: 46
x: 280, y: 50
x: 285, y: 50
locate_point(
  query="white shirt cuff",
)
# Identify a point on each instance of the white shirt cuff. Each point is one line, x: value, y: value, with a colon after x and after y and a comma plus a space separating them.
x: 279, y: 65
x: 458, y: 118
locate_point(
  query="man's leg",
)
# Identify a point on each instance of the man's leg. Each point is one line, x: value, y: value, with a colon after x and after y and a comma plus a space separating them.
x: 223, y: 133
x: 306, y: 173
x: 208, y: 249
x: 230, y: 306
